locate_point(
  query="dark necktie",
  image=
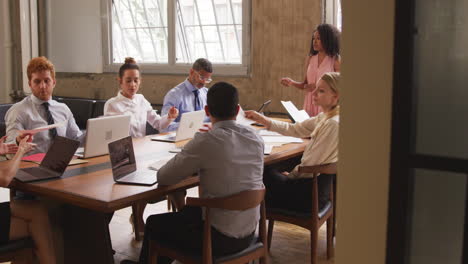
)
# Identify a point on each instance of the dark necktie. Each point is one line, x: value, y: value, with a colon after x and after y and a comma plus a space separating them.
x: 50, y: 120
x: 197, y: 102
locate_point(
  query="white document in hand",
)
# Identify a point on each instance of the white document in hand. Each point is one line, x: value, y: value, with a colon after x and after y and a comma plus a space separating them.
x: 297, y: 115
x: 242, y: 120
x: 43, y: 128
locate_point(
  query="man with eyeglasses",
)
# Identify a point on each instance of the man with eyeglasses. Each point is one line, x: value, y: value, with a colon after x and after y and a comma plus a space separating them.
x: 190, y: 95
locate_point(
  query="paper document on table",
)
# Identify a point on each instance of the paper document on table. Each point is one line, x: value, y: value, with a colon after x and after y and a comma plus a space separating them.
x: 267, y: 150
x: 159, y: 163
x: 297, y: 115
x: 40, y: 129
x: 265, y: 132
x: 281, y: 139
x: 242, y: 120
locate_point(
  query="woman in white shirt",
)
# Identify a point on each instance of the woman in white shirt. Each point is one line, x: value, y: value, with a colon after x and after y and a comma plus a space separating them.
x: 130, y: 103
x: 21, y: 218
x: 290, y: 190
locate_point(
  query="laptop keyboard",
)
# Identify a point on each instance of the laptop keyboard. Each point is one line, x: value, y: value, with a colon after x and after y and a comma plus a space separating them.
x: 140, y: 176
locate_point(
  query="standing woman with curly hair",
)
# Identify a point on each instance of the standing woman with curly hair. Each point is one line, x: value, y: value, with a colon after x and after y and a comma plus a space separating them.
x: 324, y: 56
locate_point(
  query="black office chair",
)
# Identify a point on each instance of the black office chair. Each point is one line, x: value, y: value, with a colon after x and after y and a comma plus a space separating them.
x: 3, y: 110
x: 81, y: 108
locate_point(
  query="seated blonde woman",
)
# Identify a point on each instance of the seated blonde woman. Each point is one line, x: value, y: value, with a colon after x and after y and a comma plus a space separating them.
x: 20, y: 219
x: 290, y: 190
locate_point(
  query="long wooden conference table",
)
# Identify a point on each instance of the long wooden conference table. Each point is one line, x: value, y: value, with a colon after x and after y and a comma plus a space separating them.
x: 89, y: 194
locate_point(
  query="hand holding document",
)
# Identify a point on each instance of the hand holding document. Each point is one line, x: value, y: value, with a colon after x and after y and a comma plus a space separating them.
x: 40, y: 129
x: 242, y: 120
x: 297, y: 115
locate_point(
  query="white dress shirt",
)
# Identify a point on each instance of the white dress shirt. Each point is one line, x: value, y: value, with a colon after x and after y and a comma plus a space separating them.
x: 323, y: 145
x: 140, y: 112
x: 229, y: 160
x: 31, y: 114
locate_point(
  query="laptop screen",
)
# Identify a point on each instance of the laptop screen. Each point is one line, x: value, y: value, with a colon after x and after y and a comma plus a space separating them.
x: 59, y: 154
x: 122, y: 157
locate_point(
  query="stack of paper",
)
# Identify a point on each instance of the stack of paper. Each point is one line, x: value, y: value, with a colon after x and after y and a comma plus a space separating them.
x: 281, y: 139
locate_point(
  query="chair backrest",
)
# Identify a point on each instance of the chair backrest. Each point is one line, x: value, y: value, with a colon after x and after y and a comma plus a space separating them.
x: 3, y: 110
x: 98, y: 109
x: 240, y: 201
x: 81, y: 108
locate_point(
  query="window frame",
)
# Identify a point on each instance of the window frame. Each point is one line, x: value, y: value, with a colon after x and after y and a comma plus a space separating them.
x: 330, y: 12
x: 172, y: 67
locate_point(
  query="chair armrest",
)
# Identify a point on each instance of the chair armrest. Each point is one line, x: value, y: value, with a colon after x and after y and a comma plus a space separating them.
x: 330, y: 168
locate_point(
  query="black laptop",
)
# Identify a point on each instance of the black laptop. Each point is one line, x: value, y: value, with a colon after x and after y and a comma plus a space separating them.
x: 124, y: 167
x: 54, y: 163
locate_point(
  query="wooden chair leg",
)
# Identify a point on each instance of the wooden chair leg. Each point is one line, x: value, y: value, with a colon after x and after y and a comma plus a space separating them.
x: 330, y: 228
x: 138, y: 223
x: 271, y: 223
x: 313, y: 245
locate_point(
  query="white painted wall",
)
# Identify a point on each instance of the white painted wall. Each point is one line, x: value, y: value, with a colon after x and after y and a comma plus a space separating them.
x: 74, y: 38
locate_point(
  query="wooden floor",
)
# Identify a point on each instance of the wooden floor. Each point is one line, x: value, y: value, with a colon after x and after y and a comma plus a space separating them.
x: 290, y: 243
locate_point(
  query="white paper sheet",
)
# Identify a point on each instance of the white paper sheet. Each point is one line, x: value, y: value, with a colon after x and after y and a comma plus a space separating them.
x: 268, y: 149
x: 281, y: 139
x: 242, y: 120
x: 40, y: 129
x: 264, y: 132
x: 297, y: 115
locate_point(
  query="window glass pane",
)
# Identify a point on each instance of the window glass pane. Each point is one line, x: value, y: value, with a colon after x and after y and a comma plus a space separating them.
x: 438, y: 217
x: 440, y: 70
x: 139, y: 30
x: 210, y: 29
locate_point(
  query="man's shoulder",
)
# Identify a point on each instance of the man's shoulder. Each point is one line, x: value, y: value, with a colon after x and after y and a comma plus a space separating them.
x: 20, y: 106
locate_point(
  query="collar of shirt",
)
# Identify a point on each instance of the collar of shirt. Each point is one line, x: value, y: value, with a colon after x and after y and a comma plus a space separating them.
x: 121, y: 97
x: 38, y: 101
x: 189, y: 86
x: 224, y: 123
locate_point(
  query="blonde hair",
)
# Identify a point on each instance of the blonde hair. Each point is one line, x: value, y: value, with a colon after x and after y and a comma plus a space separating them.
x: 40, y: 64
x: 333, y: 81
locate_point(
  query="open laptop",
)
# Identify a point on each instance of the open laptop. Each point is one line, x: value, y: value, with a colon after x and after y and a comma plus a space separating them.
x: 123, y: 162
x: 189, y: 124
x: 100, y: 132
x: 54, y: 163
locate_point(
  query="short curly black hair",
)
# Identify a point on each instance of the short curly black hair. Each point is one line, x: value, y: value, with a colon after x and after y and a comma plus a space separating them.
x: 330, y: 38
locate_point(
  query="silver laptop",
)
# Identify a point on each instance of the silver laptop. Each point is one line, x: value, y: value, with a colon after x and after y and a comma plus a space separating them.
x: 123, y: 162
x: 100, y: 132
x: 54, y: 163
x: 189, y: 124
